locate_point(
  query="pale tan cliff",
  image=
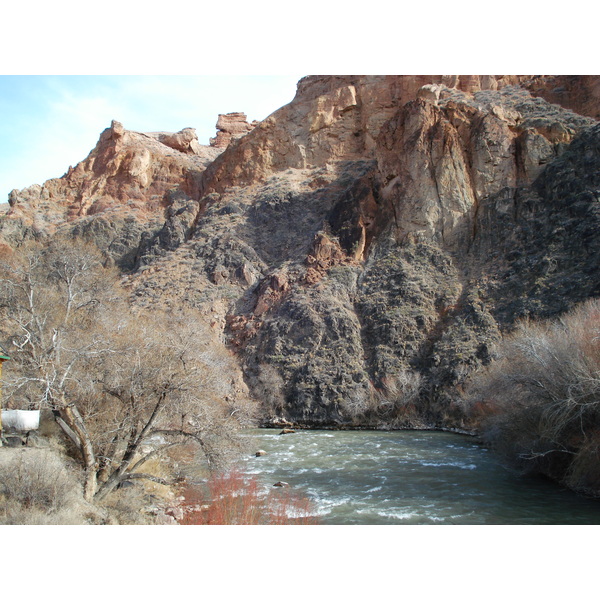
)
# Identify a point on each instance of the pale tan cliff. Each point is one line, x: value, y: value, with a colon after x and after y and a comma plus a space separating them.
x: 335, y: 118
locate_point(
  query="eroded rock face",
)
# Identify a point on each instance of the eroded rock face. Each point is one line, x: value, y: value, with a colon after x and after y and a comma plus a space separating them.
x: 120, y: 192
x: 335, y: 118
x: 420, y: 298
x: 442, y: 154
x: 230, y: 127
x: 362, y: 248
x: 579, y: 93
x: 126, y: 168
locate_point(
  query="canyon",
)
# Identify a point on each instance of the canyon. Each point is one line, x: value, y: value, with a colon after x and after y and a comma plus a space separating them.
x: 360, y: 251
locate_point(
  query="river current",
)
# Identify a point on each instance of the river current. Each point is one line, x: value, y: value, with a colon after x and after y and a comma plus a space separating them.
x: 409, y: 477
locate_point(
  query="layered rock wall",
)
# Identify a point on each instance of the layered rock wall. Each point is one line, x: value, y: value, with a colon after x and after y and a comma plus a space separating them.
x: 117, y: 195
x: 362, y: 248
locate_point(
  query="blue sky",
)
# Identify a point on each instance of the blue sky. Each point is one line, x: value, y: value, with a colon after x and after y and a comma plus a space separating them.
x: 50, y: 122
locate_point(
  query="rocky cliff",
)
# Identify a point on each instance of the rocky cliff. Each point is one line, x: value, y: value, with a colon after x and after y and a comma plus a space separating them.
x: 360, y: 249
x: 117, y: 195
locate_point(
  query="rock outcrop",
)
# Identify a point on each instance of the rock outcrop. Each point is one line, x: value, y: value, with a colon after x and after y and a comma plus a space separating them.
x: 230, y: 127
x: 117, y: 196
x: 185, y: 140
x: 362, y: 248
x: 579, y: 93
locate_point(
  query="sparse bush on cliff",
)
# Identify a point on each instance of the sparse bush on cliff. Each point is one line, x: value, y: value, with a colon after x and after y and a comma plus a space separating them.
x: 539, y: 402
x: 269, y: 388
x: 395, y: 404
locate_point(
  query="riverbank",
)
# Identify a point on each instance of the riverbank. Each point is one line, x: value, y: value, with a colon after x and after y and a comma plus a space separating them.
x: 346, y: 427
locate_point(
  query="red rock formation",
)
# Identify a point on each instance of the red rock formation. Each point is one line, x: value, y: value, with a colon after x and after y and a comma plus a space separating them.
x: 126, y: 171
x: 230, y: 127
x: 271, y: 291
x: 434, y: 195
x: 467, y: 137
x: 325, y: 253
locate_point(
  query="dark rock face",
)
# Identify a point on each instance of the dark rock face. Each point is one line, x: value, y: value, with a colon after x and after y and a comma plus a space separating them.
x: 361, y: 249
x: 549, y: 239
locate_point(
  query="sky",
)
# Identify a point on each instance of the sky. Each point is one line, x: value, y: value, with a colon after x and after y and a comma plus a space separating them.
x: 51, y: 122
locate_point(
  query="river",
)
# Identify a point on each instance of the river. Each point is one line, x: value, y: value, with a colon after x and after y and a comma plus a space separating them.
x: 409, y: 477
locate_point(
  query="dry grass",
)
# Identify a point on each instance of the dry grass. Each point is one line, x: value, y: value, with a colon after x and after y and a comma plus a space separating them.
x: 37, y: 487
x: 43, y: 487
x: 125, y: 506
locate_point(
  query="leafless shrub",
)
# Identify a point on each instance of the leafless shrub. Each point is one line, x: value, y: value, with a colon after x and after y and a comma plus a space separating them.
x: 401, y: 389
x: 539, y: 402
x: 357, y: 401
x: 394, y: 404
x: 398, y: 399
x: 37, y: 488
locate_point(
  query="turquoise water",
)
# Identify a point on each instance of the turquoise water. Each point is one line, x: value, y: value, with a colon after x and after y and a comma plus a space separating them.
x: 409, y: 477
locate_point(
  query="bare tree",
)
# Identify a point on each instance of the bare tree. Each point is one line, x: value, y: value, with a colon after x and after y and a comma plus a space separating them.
x: 162, y: 384
x: 50, y: 298
x: 124, y: 387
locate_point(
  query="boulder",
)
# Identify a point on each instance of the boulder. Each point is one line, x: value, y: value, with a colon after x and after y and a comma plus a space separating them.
x: 13, y: 441
x: 185, y: 140
x: 430, y: 93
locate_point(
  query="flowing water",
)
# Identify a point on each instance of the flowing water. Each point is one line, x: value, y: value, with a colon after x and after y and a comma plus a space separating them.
x: 409, y: 477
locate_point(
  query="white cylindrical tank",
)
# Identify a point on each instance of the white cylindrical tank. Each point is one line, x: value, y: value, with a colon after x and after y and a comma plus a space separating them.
x: 21, y: 420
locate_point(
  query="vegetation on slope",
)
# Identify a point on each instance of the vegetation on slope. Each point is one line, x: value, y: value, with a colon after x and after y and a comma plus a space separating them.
x: 538, y: 403
x: 126, y: 388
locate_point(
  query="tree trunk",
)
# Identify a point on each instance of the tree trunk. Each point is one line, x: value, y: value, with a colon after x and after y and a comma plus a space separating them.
x: 134, y: 442
x: 73, y: 419
x: 108, y: 486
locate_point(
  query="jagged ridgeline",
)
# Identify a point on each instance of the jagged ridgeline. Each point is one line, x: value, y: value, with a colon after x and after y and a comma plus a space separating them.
x: 361, y: 249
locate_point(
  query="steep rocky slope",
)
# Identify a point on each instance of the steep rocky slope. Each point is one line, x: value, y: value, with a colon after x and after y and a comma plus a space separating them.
x: 362, y: 247
x: 116, y: 195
